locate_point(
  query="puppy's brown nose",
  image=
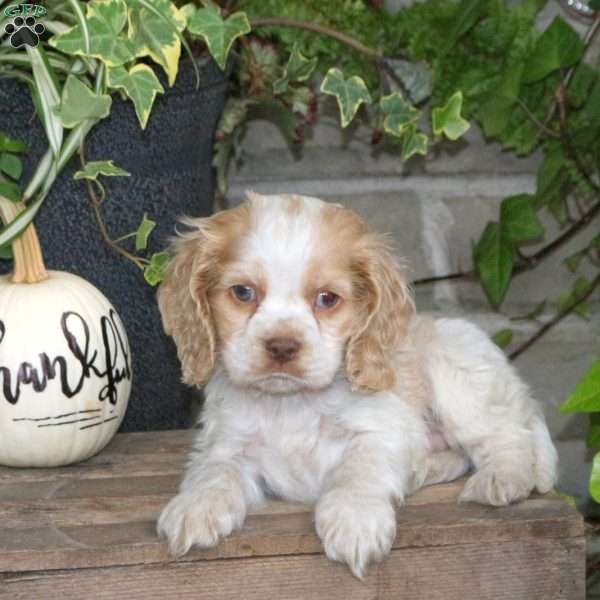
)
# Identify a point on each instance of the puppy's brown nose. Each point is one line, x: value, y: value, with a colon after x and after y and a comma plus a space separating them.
x: 282, y: 349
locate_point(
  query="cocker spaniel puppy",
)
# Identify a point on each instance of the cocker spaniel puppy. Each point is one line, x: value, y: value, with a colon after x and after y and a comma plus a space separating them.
x: 323, y: 385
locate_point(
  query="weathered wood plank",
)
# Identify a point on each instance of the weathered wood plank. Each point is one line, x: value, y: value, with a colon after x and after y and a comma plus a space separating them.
x: 60, y: 546
x: 532, y: 570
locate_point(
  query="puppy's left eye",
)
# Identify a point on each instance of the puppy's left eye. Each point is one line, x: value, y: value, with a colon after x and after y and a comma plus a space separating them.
x: 325, y: 300
x: 244, y: 293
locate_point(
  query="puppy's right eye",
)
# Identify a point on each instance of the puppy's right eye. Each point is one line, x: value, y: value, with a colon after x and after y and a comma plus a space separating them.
x: 244, y: 293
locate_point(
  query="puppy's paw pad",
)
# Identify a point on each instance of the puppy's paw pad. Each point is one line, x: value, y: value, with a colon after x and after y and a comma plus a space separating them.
x: 354, y: 529
x: 496, y: 487
x: 199, y: 520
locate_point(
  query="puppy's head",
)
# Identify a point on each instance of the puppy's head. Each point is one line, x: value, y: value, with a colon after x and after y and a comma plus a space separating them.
x: 285, y: 291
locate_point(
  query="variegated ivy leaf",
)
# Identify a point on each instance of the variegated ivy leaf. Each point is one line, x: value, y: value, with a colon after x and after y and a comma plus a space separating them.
x: 413, y: 142
x: 350, y: 93
x: 105, y: 20
x: 141, y: 84
x: 143, y: 233
x: 94, y: 168
x: 298, y: 68
x: 399, y: 114
x: 79, y: 103
x: 187, y: 10
x: 447, y: 120
x: 218, y: 33
x: 151, y: 36
x: 154, y: 273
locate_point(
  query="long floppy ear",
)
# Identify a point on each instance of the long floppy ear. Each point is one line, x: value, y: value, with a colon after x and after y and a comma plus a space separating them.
x: 388, y: 307
x: 184, y: 307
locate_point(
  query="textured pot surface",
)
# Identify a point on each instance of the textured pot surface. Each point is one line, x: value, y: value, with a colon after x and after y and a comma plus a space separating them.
x: 65, y: 371
x: 171, y: 176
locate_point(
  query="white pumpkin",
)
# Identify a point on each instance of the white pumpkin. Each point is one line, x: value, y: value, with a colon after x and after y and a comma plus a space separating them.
x: 65, y: 364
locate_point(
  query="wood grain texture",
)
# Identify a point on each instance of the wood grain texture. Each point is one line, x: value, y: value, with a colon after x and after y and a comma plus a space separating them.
x: 89, y: 531
x: 534, y: 570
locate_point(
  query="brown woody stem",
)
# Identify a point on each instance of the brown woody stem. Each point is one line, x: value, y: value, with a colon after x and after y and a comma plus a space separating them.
x: 28, y: 260
x: 555, y: 320
x: 321, y: 29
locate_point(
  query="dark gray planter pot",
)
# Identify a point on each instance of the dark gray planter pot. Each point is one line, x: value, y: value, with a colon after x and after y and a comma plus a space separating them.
x: 171, y: 175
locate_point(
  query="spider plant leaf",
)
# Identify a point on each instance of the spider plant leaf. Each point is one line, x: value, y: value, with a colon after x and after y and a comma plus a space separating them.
x: 46, y: 95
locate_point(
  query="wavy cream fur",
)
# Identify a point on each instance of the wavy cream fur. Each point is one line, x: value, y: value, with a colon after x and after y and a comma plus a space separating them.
x: 350, y: 423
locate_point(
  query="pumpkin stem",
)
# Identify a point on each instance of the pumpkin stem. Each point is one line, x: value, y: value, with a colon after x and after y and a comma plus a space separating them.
x: 28, y: 260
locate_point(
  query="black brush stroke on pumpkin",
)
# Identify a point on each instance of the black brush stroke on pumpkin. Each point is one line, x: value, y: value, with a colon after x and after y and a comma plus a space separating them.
x: 96, y: 424
x: 115, y: 349
x: 69, y: 422
x: 77, y: 412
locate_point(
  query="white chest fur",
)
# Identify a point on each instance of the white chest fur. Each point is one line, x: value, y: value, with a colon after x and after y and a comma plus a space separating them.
x: 293, y: 440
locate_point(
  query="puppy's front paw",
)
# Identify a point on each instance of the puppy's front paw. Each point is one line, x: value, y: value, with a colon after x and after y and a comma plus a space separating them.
x: 355, y: 529
x: 199, y: 519
x: 497, y: 487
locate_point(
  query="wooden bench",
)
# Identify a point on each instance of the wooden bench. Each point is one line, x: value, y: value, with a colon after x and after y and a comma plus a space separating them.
x: 88, y: 531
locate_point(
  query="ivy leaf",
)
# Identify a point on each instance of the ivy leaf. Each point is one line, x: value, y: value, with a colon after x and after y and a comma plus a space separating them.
x: 140, y: 84
x: 532, y: 314
x: 578, y: 290
x: 143, y: 233
x: 503, y: 338
x: 350, y: 93
x: 94, y: 168
x: 278, y: 113
x: 399, y: 114
x: 551, y: 176
x: 10, y: 190
x: 6, y: 252
x: 496, y: 111
x: 218, y: 33
x: 493, y: 256
x: 583, y: 79
x: 519, y: 219
x: 416, y: 77
x: 79, y: 103
x: 586, y: 395
x: 468, y: 12
x: 11, y: 165
x: 595, y: 479
x: 298, y: 68
x: 155, y: 272
x: 413, y: 143
x: 447, y: 119
x: 558, y: 47
x: 151, y: 36
x: 12, y: 145
x: 593, y: 436
x: 105, y: 20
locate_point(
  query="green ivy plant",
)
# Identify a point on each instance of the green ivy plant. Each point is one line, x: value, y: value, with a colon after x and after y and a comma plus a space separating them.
x: 417, y: 78
x: 586, y: 399
x: 106, y: 47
